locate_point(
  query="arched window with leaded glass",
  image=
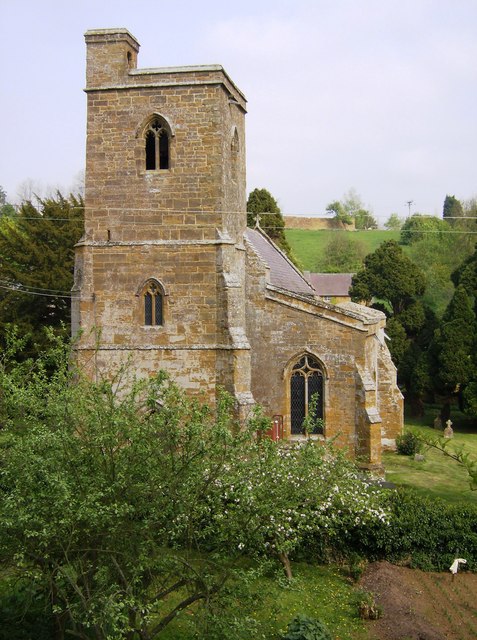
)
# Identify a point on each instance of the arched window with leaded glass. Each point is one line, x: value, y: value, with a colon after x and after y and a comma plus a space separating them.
x: 157, y: 145
x: 153, y: 304
x: 306, y: 395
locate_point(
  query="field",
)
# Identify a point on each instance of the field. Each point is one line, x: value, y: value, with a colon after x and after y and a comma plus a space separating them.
x: 307, y: 245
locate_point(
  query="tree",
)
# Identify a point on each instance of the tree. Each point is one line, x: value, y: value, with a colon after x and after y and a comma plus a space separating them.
x: 364, y: 220
x: 419, y: 226
x: 392, y: 282
x: 124, y: 512
x: 438, y: 256
x: 466, y: 275
x: 342, y: 254
x: 452, y: 209
x: 261, y: 202
x: 351, y: 209
x: 454, y: 346
x: 6, y: 209
x: 341, y: 215
x: 394, y: 222
x: 36, y: 265
x: 390, y: 276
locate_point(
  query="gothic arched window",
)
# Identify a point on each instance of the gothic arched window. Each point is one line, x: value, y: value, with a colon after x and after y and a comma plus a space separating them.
x: 153, y: 301
x: 157, y: 145
x: 306, y: 393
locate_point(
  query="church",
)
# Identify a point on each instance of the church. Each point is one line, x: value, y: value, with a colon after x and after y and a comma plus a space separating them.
x: 169, y: 277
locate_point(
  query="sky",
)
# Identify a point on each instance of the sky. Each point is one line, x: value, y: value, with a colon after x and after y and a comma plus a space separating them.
x: 379, y: 96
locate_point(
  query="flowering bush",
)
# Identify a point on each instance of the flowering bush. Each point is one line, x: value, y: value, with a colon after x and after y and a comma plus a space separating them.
x: 281, y: 497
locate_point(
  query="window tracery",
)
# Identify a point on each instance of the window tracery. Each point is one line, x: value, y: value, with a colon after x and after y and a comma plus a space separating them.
x: 306, y: 393
x: 153, y: 304
x: 157, y: 145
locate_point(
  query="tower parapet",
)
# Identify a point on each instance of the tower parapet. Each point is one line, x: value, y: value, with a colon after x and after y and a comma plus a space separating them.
x: 111, y: 54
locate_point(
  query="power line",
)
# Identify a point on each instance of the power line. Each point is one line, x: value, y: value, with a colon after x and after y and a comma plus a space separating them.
x: 8, y: 283
x: 17, y: 289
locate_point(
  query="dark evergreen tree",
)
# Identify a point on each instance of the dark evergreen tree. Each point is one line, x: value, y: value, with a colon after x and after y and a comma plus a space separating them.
x: 390, y: 276
x: 390, y: 281
x: 466, y: 275
x: 36, y: 266
x: 261, y: 203
x: 454, y: 346
x: 452, y: 209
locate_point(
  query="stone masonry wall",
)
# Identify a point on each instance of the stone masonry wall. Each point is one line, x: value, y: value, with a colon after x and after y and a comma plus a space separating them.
x: 282, y: 327
x: 182, y: 226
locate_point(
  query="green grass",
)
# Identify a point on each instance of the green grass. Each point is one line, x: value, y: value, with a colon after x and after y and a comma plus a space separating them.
x: 320, y: 592
x: 438, y: 475
x: 308, y: 245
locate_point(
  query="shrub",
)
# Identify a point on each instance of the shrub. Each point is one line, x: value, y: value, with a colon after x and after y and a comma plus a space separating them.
x: 408, y: 444
x: 303, y: 627
x: 427, y: 533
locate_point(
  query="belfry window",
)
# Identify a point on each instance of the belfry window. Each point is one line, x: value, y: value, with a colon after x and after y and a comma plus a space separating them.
x: 153, y: 305
x: 157, y: 146
x: 306, y: 395
x: 234, y: 150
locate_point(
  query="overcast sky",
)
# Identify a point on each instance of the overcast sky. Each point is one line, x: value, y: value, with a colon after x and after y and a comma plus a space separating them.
x: 375, y: 95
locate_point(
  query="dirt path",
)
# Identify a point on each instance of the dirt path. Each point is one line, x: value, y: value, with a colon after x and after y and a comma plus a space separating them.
x: 422, y: 606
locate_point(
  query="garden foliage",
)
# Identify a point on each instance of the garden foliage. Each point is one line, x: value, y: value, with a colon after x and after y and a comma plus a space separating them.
x: 303, y: 627
x: 125, y: 512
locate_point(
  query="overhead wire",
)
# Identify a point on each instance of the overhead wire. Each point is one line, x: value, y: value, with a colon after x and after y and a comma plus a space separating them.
x: 19, y: 289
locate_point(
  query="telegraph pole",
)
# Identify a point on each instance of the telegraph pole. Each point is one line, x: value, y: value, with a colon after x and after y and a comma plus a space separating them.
x: 409, y: 203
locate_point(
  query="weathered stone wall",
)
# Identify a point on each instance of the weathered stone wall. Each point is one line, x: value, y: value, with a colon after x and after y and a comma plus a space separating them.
x: 182, y: 226
x: 315, y: 224
x: 282, y: 326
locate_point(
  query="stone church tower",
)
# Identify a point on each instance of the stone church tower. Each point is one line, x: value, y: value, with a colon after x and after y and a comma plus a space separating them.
x: 167, y: 276
x: 161, y: 267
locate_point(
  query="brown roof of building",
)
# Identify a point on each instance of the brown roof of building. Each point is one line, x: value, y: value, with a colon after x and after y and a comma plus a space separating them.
x: 283, y: 274
x: 331, y: 284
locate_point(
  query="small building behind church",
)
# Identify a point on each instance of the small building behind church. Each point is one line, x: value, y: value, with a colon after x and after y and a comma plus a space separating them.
x: 331, y: 287
x: 168, y: 277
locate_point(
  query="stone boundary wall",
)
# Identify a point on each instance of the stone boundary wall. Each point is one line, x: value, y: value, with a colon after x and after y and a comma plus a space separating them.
x: 300, y: 222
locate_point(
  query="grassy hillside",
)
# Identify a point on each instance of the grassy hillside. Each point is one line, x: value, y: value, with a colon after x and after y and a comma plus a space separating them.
x: 307, y: 245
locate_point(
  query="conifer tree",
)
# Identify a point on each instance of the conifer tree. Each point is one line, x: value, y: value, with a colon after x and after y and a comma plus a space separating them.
x: 261, y: 201
x: 452, y: 209
x: 453, y: 345
x: 36, y: 266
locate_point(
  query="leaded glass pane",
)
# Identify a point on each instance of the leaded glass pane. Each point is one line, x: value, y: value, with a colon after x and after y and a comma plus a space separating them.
x: 163, y: 150
x: 150, y: 151
x: 297, y: 402
x: 158, y: 309
x: 148, y: 309
x: 315, y: 388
